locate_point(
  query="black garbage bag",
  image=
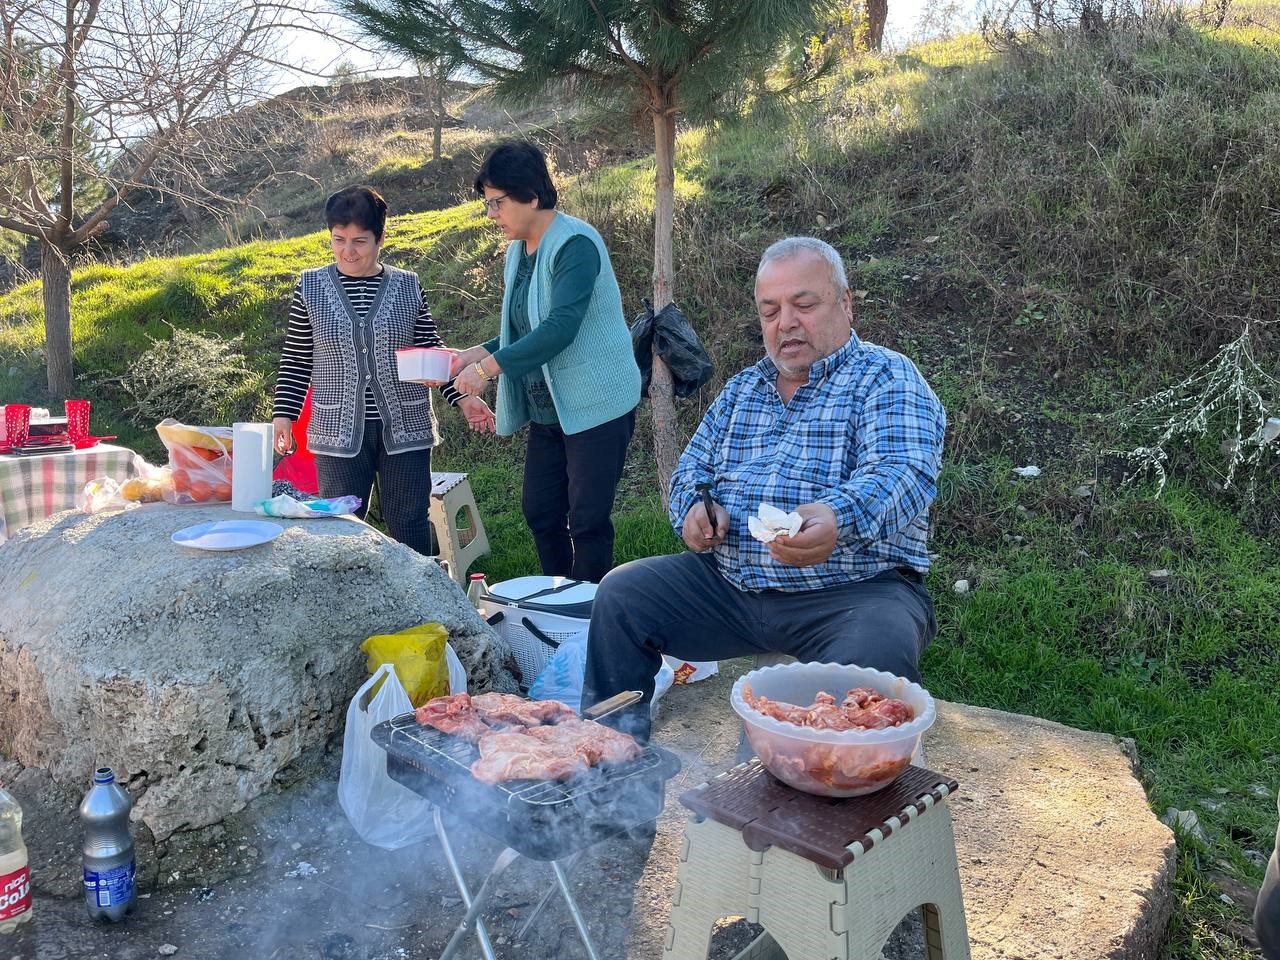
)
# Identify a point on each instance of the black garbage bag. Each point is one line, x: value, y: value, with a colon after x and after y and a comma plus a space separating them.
x: 677, y: 345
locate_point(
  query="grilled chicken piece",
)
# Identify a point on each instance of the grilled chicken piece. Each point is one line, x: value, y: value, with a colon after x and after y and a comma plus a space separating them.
x: 518, y: 756
x: 507, y: 708
x: 453, y: 715
x: 594, y: 742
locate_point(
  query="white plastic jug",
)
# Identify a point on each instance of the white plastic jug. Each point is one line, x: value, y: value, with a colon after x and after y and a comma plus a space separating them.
x: 250, y: 465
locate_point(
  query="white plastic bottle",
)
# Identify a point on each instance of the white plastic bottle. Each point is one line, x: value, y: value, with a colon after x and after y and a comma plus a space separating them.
x: 477, y: 591
x: 15, y: 877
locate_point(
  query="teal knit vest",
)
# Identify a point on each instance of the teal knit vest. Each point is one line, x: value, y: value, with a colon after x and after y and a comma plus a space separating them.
x: 593, y: 380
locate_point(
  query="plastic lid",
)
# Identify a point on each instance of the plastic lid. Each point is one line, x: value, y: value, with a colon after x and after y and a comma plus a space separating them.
x: 104, y: 775
x: 477, y: 576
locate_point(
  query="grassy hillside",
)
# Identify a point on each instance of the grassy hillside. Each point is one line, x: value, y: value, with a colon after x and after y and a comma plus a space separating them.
x: 1050, y: 232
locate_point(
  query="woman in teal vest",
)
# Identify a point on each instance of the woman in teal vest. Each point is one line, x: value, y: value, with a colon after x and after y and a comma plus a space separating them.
x: 563, y: 362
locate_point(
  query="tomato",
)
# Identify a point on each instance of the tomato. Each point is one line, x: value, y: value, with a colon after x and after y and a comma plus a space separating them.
x: 209, y: 455
x: 181, y: 480
x: 201, y: 490
x: 222, y: 491
x: 185, y: 457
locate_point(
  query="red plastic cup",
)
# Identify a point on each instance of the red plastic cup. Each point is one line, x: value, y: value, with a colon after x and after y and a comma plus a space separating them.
x: 77, y: 419
x: 17, y: 423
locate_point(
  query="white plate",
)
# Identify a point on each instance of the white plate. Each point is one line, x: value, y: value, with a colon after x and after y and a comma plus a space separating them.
x: 228, y: 534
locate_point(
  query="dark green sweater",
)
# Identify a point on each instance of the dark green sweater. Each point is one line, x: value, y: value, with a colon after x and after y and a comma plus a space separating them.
x: 573, y: 278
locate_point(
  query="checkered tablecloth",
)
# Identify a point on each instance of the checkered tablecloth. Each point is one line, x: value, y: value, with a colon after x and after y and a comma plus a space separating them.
x: 35, y: 487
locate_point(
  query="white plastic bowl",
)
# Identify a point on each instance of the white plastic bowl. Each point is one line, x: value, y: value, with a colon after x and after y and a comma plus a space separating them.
x: 831, y: 763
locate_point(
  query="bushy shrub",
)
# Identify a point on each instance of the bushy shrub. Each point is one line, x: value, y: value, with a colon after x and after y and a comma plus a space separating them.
x: 193, y: 377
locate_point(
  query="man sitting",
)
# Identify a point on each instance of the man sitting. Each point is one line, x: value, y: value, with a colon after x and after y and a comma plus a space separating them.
x: 845, y: 433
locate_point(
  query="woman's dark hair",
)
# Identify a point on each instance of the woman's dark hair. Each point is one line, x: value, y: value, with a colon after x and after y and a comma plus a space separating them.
x: 362, y: 206
x: 519, y: 169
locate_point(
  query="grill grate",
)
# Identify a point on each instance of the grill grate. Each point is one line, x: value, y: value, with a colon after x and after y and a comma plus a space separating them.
x: 544, y: 819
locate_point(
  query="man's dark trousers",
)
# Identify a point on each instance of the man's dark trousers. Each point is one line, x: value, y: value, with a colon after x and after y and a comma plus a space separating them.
x: 681, y: 605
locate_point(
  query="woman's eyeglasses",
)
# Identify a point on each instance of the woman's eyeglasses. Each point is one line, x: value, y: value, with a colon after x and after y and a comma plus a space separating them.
x: 493, y: 204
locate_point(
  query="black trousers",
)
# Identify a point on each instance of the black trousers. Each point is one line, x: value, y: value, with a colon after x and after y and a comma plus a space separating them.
x: 680, y: 604
x: 569, y: 484
x: 404, y: 486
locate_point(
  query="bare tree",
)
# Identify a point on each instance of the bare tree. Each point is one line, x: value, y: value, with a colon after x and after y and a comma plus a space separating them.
x: 139, y: 80
x: 435, y: 73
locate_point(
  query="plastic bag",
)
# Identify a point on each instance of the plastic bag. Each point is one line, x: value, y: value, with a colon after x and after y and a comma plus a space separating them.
x: 671, y: 334
x: 200, y: 461
x: 151, y: 484
x: 287, y: 506
x: 385, y: 813
x: 420, y: 655
x: 100, y: 495
x: 563, y: 675
x: 691, y: 671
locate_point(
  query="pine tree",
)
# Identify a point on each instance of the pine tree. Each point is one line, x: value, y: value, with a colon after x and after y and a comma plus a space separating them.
x: 659, y: 58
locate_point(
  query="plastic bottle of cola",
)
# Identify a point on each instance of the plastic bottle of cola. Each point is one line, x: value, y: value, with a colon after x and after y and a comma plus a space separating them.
x: 109, y: 865
x: 15, y: 879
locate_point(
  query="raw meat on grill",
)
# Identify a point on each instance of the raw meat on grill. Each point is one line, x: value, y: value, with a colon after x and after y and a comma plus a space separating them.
x: 518, y: 756
x: 497, y: 709
x: 862, y: 709
x: 594, y: 742
x: 453, y: 715
x: 526, y: 739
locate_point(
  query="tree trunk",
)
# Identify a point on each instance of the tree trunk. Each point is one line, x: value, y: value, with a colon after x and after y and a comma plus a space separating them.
x: 436, y: 132
x: 870, y: 20
x: 661, y: 397
x: 55, y: 272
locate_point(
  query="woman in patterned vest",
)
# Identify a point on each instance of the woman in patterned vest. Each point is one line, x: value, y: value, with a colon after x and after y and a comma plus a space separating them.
x: 563, y: 362
x: 345, y: 324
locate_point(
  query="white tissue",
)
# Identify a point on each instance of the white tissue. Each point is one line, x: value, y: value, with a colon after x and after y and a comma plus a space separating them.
x: 773, y: 523
x: 1031, y: 471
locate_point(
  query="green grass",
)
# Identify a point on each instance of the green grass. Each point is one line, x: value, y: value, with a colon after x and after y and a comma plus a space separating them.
x: 1101, y: 225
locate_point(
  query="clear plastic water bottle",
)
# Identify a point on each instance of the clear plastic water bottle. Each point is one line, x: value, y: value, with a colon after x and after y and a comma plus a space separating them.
x: 109, y: 866
x: 15, y: 877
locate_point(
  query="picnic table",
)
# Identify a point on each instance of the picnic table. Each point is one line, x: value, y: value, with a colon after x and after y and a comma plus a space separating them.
x: 36, y: 486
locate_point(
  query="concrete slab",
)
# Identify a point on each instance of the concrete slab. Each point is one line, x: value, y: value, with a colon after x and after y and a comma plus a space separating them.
x: 1060, y: 854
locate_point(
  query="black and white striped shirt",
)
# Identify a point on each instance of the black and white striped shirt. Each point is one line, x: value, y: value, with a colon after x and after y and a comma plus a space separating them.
x: 296, y: 358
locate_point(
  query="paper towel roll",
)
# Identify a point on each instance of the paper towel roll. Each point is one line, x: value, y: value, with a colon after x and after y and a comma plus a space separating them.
x: 250, y: 465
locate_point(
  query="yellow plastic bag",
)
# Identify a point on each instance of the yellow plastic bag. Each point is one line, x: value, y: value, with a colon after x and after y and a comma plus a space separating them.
x: 418, y: 656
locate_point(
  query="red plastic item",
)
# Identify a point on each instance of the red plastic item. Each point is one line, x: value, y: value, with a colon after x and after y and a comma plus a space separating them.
x: 17, y: 423
x: 77, y: 419
x: 299, y: 467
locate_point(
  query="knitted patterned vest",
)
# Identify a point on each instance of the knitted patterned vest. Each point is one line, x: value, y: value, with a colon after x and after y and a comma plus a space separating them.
x: 350, y: 354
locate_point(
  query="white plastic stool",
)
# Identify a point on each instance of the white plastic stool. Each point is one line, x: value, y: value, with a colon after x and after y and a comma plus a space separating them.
x: 810, y: 911
x: 450, y: 495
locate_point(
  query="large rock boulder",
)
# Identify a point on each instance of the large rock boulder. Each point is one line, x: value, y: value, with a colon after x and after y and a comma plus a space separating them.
x: 199, y: 676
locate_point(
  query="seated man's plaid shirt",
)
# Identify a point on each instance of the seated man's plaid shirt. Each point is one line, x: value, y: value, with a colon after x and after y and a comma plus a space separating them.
x: 863, y: 436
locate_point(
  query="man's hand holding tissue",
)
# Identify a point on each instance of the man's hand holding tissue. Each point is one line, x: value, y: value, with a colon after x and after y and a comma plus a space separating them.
x: 815, y: 541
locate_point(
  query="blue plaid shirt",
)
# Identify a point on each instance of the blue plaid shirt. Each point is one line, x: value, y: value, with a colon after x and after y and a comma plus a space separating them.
x: 863, y: 436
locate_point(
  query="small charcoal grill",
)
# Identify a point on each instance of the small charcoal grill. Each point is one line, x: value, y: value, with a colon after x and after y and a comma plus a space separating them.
x: 545, y: 820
